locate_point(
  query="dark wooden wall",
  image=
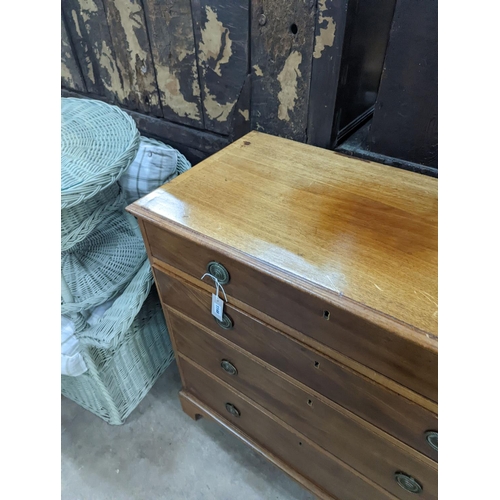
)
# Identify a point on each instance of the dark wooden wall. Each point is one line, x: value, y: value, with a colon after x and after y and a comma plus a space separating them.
x: 407, y: 103
x: 200, y: 73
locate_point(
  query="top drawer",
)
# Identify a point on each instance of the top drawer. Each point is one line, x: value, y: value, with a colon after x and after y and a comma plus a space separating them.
x: 395, y: 356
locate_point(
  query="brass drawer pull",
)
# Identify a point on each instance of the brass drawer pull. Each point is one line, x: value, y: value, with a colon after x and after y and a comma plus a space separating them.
x: 432, y: 438
x: 226, y: 323
x: 228, y: 367
x: 232, y: 410
x: 408, y: 483
x: 219, y: 271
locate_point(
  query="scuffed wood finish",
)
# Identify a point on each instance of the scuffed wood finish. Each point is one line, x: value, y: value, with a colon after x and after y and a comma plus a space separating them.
x: 327, y: 56
x: 385, y: 409
x: 221, y: 34
x: 71, y: 75
x: 88, y: 28
x: 324, y: 470
x: 282, y: 49
x: 363, y: 232
x: 128, y: 33
x: 324, y: 422
x: 171, y: 35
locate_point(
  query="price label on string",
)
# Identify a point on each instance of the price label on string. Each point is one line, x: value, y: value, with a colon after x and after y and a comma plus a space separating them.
x: 217, y: 302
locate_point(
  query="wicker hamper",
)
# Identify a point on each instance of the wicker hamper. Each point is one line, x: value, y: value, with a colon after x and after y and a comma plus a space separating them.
x: 120, y: 376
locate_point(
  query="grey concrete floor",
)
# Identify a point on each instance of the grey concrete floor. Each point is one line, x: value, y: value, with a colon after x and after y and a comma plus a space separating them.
x: 160, y: 453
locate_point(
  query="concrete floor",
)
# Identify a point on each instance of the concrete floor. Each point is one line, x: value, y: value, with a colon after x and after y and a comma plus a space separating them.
x: 160, y: 453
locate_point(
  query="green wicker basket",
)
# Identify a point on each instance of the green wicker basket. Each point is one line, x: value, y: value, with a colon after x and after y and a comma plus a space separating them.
x: 99, y: 267
x: 98, y: 143
x: 120, y: 376
x: 79, y: 221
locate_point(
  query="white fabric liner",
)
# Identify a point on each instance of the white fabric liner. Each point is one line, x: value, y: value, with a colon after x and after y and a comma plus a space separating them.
x: 72, y: 362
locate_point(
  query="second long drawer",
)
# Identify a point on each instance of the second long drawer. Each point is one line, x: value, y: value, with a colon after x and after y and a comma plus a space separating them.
x: 357, y: 443
x: 385, y: 409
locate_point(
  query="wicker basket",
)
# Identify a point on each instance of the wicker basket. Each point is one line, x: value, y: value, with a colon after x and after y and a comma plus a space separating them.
x: 98, y: 143
x: 98, y: 268
x: 79, y: 221
x: 119, y: 376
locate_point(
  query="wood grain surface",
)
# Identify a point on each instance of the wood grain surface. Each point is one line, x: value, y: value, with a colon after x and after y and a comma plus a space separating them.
x: 364, y: 232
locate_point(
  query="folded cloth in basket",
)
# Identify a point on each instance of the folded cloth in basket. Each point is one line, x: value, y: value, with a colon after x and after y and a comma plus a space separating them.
x: 72, y: 362
x: 155, y: 164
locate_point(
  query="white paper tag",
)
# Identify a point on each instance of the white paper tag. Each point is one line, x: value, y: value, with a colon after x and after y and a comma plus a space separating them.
x: 217, y: 307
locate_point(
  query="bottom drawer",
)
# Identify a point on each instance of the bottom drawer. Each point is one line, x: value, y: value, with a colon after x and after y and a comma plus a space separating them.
x: 328, y: 473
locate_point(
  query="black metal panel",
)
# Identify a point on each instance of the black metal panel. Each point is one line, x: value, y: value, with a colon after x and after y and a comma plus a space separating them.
x: 405, y: 120
x: 367, y: 31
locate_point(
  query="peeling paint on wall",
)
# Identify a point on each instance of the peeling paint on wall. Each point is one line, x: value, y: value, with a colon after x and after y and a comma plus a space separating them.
x: 245, y: 113
x: 128, y: 12
x: 215, y: 42
x: 326, y: 35
x: 88, y: 6
x: 65, y: 56
x: 257, y: 70
x: 170, y: 90
x: 106, y: 61
x: 88, y: 62
x: 288, y: 82
x: 131, y: 49
x: 214, y: 109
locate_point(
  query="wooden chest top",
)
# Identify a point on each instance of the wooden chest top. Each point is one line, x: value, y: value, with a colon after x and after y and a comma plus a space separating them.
x: 362, y: 232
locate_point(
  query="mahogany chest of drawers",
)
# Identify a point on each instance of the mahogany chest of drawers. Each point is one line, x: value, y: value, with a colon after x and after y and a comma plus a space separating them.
x: 325, y: 357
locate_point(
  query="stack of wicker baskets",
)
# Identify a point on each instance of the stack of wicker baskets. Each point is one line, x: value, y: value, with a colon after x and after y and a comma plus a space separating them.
x: 103, y: 260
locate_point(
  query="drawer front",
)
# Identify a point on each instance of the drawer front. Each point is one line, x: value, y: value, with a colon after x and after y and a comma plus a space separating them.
x: 351, y: 440
x: 324, y: 471
x: 398, y: 358
x: 385, y: 409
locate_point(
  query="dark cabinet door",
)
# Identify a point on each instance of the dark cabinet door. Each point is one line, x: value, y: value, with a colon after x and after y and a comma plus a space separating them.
x: 405, y: 119
x: 368, y: 25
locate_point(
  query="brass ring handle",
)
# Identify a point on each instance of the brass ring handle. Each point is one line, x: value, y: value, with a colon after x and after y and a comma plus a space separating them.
x: 219, y: 271
x: 432, y: 439
x: 408, y: 483
x: 232, y: 410
x: 226, y: 323
x: 228, y: 367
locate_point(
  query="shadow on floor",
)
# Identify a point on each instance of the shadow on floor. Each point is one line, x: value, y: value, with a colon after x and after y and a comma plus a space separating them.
x: 160, y: 453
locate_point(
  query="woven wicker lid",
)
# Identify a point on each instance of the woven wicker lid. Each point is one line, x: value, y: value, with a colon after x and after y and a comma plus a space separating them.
x: 102, y: 265
x: 98, y: 143
x: 78, y: 221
